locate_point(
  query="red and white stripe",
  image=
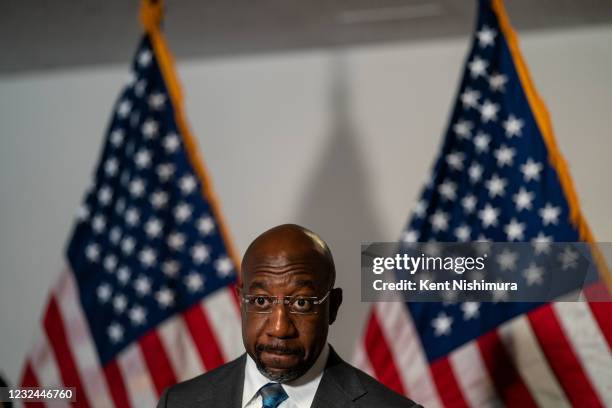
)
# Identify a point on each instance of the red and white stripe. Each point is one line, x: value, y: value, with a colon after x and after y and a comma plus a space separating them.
x: 557, y: 355
x: 202, y: 338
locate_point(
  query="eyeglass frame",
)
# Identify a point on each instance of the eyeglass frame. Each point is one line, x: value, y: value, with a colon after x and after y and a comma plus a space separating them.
x: 286, y: 301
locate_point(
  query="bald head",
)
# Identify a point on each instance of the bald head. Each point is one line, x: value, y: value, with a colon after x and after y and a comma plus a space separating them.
x: 293, y: 243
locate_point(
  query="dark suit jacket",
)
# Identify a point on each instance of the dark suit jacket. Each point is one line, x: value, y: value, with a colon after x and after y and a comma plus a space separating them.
x: 342, y: 386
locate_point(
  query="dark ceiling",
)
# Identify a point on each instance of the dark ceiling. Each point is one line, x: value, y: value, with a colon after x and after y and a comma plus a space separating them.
x: 41, y: 35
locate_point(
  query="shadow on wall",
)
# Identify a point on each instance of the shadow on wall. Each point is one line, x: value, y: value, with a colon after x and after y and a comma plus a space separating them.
x: 337, y: 204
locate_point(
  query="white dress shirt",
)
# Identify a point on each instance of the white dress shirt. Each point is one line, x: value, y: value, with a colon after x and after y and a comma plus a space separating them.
x: 301, y: 391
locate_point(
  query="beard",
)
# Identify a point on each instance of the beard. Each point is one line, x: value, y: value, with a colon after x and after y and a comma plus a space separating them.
x: 288, y: 374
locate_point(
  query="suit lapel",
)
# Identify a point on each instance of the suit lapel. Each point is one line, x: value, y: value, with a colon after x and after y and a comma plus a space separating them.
x: 228, y: 385
x: 339, y: 387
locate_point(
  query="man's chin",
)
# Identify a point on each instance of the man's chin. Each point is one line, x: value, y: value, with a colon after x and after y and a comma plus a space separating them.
x: 280, y: 368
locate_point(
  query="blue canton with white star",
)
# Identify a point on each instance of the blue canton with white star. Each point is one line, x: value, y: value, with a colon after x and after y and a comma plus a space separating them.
x: 146, y: 245
x: 492, y: 182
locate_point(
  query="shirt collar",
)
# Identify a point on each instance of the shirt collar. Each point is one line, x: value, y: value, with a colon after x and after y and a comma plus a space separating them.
x: 301, y: 391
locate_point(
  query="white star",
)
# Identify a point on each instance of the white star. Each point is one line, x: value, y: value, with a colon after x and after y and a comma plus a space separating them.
x: 165, y: 171
x: 455, y: 160
x: 507, y: 260
x: 194, y: 282
x: 488, y: 111
x: 187, y: 184
x: 98, y: 223
x: 92, y: 252
x: 533, y: 274
x: 182, y: 212
x: 143, y: 158
x: 124, y: 108
x: 115, y: 332
x: 120, y: 206
x: 496, y: 186
x: 523, y: 199
x: 504, y: 155
x: 541, y: 243
x: 531, y: 170
x: 470, y: 310
x: 105, y: 195
x: 513, y: 126
x: 514, y: 230
x: 568, y: 258
x: 469, y: 203
x: 200, y: 253
x: 478, y: 67
x: 410, y: 236
x: 157, y: 100
x: 153, y: 227
x: 481, y: 142
x: 144, y: 57
x: 116, y: 137
x: 224, y: 266
x: 497, y: 82
x: 442, y: 324
x: 419, y: 208
x: 488, y: 216
x: 149, y: 128
x: 205, y: 225
x: 119, y: 303
x: 499, y: 295
x: 137, y: 315
x: 115, y: 235
x: 159, y: 199
x: 550, y: 214
x: 176, y: 241
x: 142, y: 285
x: 432, y: 248
x: 463, y: 129
x: 104, y: 292
x: 447, y: 190
x: 463, y: 233
x: 171, y: 268
x: 132, y: 216
x: 171, y: 143
x: 469, y: 98
x: 111, y: 167
x: 123, y: 274
x: 165, y: 297
x: 110, y: 263
x: 127, y: 245
x: 82, y: 213
x: 475, y: 172
x: 137, y: 187
x: 439, y: 221
x: 486, y: 36
x: 139, y: 90
x: 147, y: 257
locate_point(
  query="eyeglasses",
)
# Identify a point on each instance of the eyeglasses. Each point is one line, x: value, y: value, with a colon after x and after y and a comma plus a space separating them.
x: 305, y: 305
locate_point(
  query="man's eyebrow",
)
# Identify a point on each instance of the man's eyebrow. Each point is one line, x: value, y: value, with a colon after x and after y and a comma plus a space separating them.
x: 258, y: 285
x: 305, y: 282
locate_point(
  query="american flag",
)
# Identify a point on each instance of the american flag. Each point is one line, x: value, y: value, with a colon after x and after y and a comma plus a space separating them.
x: 146, y: 298
x: 499, y: 177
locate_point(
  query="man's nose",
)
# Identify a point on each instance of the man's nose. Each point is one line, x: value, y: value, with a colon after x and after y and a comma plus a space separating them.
x: 280, y: 323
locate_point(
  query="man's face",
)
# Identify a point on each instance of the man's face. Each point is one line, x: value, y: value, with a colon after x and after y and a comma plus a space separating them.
x: 285, y: 345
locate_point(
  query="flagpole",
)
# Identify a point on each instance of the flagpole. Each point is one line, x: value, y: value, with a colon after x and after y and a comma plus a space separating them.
x: 151, y: 17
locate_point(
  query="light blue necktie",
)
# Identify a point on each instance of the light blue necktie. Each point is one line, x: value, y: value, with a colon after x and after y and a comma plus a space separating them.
x: 272, y: 394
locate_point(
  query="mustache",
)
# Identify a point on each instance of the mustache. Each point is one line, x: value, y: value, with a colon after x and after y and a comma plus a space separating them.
x: 279, y: 349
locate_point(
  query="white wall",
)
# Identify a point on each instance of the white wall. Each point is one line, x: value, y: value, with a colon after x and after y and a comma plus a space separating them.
x: 278, y: 153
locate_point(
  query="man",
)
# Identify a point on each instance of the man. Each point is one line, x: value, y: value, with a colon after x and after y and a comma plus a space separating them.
x: 288, y: 302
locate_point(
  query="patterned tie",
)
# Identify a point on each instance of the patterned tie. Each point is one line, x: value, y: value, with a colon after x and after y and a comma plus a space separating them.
x: 272, y: 395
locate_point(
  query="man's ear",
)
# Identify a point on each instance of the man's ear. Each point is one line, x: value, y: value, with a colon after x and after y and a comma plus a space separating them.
x: 335, y: 300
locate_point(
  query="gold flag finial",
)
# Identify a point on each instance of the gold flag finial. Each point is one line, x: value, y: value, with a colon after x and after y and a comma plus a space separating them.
x: 151, y: 14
